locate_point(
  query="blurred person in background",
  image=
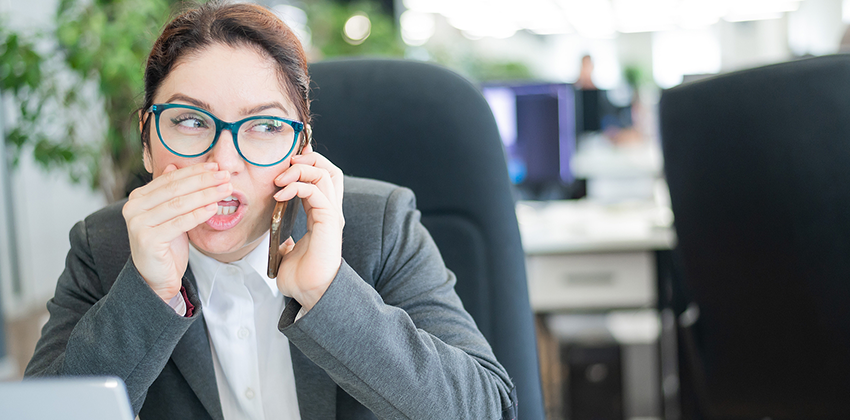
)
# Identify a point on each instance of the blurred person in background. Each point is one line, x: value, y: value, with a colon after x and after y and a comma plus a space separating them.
x: 585, y: 75
x: 167, y: 290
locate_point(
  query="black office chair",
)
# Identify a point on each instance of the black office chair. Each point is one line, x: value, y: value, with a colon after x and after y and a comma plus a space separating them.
x: 428, y: 129
x: 758, y: 164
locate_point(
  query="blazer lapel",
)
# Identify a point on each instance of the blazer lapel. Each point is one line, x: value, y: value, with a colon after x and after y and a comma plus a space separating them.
x: 194, y: 360
x: 316, y: 390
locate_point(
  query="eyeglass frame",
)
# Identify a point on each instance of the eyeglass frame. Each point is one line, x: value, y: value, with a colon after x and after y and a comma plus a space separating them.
x: 220, y: 125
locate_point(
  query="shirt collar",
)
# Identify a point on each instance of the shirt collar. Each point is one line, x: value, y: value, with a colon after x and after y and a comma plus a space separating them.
x: 258, y: 259
x: 207, y: 269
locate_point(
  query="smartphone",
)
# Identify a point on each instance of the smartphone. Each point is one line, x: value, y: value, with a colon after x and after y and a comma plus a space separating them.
x: 283, y: 218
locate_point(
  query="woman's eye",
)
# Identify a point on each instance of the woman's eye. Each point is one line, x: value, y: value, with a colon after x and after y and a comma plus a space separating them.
x: 189, y: 121
x: 271, y: 126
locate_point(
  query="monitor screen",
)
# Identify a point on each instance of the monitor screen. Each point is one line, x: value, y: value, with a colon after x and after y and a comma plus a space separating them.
x: 538, y: 128
x: 597, y: 113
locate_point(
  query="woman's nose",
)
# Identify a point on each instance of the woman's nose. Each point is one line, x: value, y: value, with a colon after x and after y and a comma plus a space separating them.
x: 225, y: 154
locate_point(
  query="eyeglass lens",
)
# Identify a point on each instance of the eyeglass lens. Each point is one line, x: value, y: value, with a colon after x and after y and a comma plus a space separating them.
x: 191, y: 132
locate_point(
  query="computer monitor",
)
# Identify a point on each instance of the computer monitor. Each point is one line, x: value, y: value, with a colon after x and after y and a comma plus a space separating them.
x: 537, y: 123
x: 67, y: 398
x: 596, y: 113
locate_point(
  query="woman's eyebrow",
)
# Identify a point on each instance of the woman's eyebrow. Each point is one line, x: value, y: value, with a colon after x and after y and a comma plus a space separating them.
x: 259, y: 108
x: 245, y: 111
x: 196, y: 102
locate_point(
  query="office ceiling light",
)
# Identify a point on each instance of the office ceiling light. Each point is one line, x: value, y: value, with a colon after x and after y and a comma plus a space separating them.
x: 591, y: 18
x: 479, y: 19
x: 759, y: 10
x: 644, y: 15
x: 692, y: 14
x: 416, y: 28
x: 428, y: 6
x: 752, y: 16
x: 544, y: 17
x: 555, y: 24
x: 595, y: 19
x: 357, y: 28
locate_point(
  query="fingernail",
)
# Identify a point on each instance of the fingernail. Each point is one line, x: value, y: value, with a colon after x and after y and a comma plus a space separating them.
x: 220, y: 174
x: 278, y: 194
x: 211, y: 166
x: 224, y: 187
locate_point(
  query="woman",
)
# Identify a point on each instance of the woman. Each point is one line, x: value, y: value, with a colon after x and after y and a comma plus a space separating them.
x: 362, y: 328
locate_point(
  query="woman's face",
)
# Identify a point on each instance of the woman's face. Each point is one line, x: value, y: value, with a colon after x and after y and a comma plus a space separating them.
x: 231, y: 83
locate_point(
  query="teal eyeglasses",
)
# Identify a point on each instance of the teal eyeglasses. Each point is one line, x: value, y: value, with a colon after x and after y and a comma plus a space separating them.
x: 189, y: 132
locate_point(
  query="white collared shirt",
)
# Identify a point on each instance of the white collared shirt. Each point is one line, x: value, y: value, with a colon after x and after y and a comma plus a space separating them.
x: 241, y: 307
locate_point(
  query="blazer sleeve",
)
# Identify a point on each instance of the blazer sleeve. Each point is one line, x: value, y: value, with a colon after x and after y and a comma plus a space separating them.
x: 126, y: 331
x: 404, y: 348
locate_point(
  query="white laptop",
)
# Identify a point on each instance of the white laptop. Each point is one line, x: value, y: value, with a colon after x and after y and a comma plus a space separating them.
x: 80, y: 398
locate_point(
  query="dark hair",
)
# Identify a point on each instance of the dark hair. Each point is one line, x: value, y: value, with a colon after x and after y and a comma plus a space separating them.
x: 233, y: 25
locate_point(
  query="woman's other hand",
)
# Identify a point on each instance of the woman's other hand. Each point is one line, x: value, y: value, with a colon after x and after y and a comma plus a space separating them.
x: 160, y: 214
x: 309, y: 266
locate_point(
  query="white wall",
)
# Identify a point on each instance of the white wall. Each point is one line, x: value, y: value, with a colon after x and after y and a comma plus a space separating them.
x: 755, y: 43
x: 816, y: 27
x: 46, y: 206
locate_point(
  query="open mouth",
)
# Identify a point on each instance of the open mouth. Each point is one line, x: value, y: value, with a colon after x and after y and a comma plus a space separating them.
x: 230, y: 211
x: 227, y: 206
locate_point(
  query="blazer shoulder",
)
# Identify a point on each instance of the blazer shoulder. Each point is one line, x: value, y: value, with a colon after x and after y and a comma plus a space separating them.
x: 374, y: 212
x: 360, y: 188
x: 367, y: 202
x: 107, y: 222
x: 106, y: 234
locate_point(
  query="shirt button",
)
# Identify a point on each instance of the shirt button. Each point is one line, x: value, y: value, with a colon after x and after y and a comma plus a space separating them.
x: 249, y: 394
x: 243, y: 333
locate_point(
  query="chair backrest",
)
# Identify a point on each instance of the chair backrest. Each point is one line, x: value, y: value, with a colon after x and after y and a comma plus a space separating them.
x: 758, y: 164
x: 426, y: 128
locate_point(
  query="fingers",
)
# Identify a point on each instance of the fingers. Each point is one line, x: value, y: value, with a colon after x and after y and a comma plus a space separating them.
x: 177, y: 183
x: 170, y: 168
x: 308, y: 174
x: 310, y: 194
x: 176, y: 199
x: 171, y: 173
x: 287, y: 246
x: 182, y: 204
x: 315, y: 160
x: 174, y: 227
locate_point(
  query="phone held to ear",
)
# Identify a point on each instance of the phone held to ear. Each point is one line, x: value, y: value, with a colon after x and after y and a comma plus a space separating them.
x: 283, y: 218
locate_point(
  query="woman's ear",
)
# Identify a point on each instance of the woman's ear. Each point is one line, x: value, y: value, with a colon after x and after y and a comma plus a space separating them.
x: 146, y: 153
x: 308, y: 137
x: 146, y: 159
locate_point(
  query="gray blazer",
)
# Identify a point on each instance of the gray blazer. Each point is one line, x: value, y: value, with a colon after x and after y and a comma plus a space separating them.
x: 389, y: 339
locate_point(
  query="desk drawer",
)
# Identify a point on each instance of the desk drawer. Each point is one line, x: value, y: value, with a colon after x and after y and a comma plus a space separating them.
x: 591, y: 281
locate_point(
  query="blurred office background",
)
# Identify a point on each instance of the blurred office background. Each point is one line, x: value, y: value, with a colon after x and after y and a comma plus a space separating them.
x: 574, y: 87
